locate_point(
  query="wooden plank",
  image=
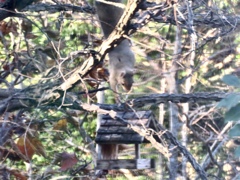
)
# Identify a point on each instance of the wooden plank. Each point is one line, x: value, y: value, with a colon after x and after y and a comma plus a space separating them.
x: 106, y: 116
x: 145, y: 163
x: 126, y: 164
x: 115, y: 130
x: 112, y: 122
x: 119, y: 139
x: 137, y: 151
x: 152, y: 123
x: 128, y: 115
x: 131, y: 115
x: 137, y: 115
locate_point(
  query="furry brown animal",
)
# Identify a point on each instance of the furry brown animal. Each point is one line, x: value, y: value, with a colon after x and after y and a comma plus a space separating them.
x: 121, y: 57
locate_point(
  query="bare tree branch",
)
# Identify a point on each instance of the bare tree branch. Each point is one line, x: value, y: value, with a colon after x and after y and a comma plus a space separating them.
x: 34, y: 97
x: 53, y: 8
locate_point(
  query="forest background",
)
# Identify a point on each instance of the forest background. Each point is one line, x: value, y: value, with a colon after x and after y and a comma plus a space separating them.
x: 53, y: 63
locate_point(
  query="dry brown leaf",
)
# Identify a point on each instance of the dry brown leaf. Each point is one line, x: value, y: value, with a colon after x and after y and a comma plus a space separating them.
x: 25, y: 147
x: 7, y: 27
x: 29, y: 145
x: 61, y: 125
x: 68, y: 160
x: 18, y: 175
x: 30, y: 35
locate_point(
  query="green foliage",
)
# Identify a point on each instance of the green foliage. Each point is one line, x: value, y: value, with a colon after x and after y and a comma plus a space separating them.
x: 230, y: 101
x: 237, y: 152
x: 232, y: 104
x: 233, y: 114
x: 231, y: 80
x: 235, y: 131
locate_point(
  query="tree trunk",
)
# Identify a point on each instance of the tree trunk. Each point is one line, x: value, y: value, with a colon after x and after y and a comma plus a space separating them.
x: 187, y: 86
x: 173, y: 109
x: 163, y: 87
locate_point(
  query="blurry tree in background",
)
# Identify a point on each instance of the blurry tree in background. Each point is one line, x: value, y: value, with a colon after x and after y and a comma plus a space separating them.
x: 52, y: 58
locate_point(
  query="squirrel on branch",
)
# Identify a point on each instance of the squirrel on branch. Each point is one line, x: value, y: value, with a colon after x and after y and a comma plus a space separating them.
x: 121, y: 57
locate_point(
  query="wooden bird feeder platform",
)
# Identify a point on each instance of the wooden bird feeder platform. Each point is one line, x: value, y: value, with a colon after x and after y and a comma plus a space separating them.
x: 112, y: 131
